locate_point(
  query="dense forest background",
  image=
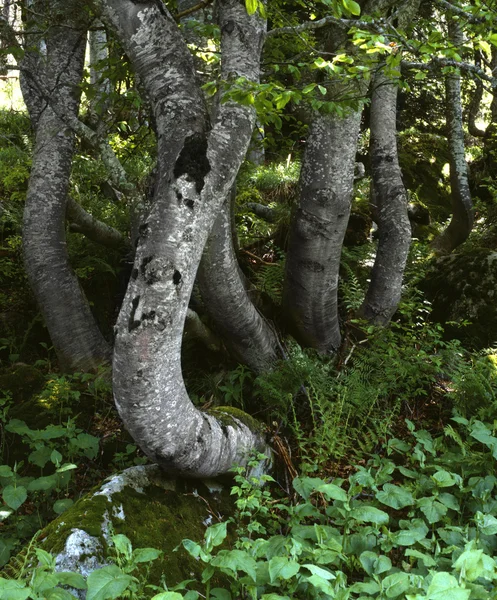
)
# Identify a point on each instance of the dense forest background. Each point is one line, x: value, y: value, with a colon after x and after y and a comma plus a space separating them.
x: 257, y: 243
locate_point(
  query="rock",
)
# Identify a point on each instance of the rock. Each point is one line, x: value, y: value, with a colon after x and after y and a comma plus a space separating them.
x: 151, y: 509
x: 463, y: 287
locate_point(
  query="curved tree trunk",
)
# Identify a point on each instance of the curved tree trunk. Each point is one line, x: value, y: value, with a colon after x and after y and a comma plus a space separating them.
x: 99, y: 56
x: 318, y: 229
x: 74, y: 333
x: 389, y: 205
x: 461, y: 223
x: 148, y: 383
x: 227, y: 302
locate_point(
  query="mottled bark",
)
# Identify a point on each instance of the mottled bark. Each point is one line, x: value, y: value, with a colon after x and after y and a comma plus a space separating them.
x: 475, y: 104
x: 227, y: 302
x: 197, y: 168
x: 461, y: 223
x: 81, y: 221
x: 389, y: 205
x: 318, y: 229
x: 74, y: 333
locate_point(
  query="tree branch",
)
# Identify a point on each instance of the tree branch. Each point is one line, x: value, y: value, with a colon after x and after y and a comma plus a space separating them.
x: 82, y: 222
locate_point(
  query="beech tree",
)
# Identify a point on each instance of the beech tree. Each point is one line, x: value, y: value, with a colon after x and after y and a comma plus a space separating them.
x: 184, y: 230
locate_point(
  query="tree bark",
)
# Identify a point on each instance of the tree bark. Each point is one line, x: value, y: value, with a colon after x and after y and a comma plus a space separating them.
x: 461, y: 223
x: 318, y: 229
x: 82, y: 222
x: 227, y: 302
x: 74, y: 333
x: 197, y: 167
x: 389, y: 205
x: 99, y: 54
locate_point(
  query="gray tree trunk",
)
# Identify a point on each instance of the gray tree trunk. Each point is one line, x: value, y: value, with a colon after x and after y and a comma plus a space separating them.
x: 148, y: 383
x: 318, y: 229
x: 74, y: 333
x: 462, y: 220
x: 227, y: 302
x: 389, y: 205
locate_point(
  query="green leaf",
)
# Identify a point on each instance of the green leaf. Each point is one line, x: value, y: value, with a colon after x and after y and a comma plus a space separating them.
x: 395, y: 496
x: 40, y: 457
x: 352, y: 7
x: 108, y: 583
x: 251, y: 6
x: 487, y: 524
x: 220, y: 594
x: 474, y: 564
x: 10, y: 589
x: 43, y: 483
x: 426, y: 559
x: 14, y: 497
x: 168, y: 596
x: 66, y: 467
x: 282, y: 568
x: 55, y: 457
x: 315, y: 570
x: 215, y: 535
x: 143, y: 555
x: 306, y: 485
x: 123, y: 545
x: 370, y: 514
x: 74, y: 580
x: 396, y: 584
x: 5, y: 471
x: 432, y: 509
x: 307, y: 90
x: 235, y: 560
x: 444, y: 479
x: 332, y: 492
x: 420, y: 75
x: 445, y: 587
x: 61, y: 506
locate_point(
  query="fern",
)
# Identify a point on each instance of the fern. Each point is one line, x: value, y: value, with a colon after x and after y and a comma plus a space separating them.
x: 270, y: 278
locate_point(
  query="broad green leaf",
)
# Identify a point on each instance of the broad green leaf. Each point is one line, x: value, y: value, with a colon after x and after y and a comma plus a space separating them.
x: 56, y: 457
x: 274, y: 597
x: 352, y: 7
x: 14, y: 497
x: 61, y: 506
x: 370, y: 514
x: 108, y: 583
x: 66, y: 467
x: 142, y: 555
x: 366, y: 587
x: 306, y: 90
x: 432, y: 509
x: 396, y: 584
x: 74, y: 580
x: 321, y: 584
x: 10, y: 589
x: 123, y: 545
x: 251, y: 6
x: 333, y: 492
x: 45, y: 558
x: 444, y: 479
x: 449, y: 500
x: 315, y: 570
x: 220, y: 594
x: 236, y: 560
x: 40, y: 457
x: 43, y: 483
x: 487, y: 524
x: 282, y: 568
x: 395, y: 496
x: 306, y: 485
x: 474, y: 564
x: 5, y: 471
x: 57, y: 593
x: 426, y: 559
x: 168, y: 596
x: 445, y: 587
x: 215, y: 535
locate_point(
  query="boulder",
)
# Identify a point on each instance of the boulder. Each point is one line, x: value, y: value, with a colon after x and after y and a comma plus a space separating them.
x: 151, y: 509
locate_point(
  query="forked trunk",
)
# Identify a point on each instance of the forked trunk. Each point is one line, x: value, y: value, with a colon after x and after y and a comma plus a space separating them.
x: 148, y: 383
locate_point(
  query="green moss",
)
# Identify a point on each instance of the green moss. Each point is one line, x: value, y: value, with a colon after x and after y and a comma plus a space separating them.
x: 161, y: 516
x: 226, y: 415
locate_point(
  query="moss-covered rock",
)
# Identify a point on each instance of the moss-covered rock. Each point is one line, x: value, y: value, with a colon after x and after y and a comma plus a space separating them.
x: 463, y: 287
x: 151, y: 509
